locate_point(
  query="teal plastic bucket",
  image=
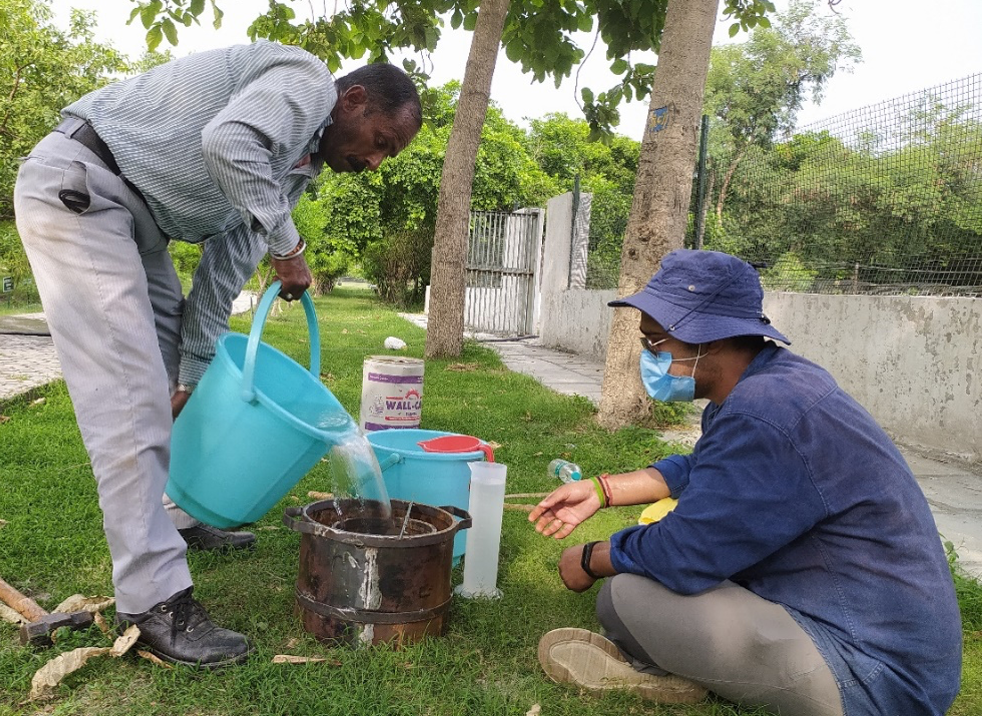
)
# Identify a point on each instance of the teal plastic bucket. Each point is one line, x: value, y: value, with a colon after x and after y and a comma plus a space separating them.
x: 256, y: 423
x: 411, y: 473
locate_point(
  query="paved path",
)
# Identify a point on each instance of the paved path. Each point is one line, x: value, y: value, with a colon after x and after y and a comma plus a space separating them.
x: 27, y: 356
x: 28, y: 361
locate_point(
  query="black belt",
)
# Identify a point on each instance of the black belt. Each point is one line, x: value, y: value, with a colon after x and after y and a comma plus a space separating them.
x: 83, y: 133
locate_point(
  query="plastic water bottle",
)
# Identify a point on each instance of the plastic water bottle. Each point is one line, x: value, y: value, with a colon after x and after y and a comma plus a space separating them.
x: 564, y: 470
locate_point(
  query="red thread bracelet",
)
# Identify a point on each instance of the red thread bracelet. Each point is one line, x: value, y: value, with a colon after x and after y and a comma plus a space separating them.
x: 602, y: 479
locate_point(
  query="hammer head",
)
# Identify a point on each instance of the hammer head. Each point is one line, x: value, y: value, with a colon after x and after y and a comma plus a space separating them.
x: 38, y: 633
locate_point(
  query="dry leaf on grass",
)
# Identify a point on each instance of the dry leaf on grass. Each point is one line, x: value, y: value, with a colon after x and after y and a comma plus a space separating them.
x: 314, y: 495
x: 461, y: 367
x: 534, y: 711
x: 493, y: 445
x: 291, y: 659
x: 154, y: 659
x: 100, y: 621
x: 4, y: 419
x: 10, y: 615
x: 126, y: 640
x: 39, y: 401
x: 3, y: 523
x: 79, y: 603
x: 50, y: 675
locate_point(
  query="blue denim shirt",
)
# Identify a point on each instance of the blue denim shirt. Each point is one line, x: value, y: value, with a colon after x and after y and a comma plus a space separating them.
x: 795, y: 493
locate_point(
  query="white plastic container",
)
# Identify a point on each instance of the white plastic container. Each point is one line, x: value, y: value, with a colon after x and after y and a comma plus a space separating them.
x: 391, y: 393
x: 486, y: 506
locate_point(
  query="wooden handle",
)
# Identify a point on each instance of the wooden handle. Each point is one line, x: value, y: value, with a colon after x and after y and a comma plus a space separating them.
x: 26, y: 606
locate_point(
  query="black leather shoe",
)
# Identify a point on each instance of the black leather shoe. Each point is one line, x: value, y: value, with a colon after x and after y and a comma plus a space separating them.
x: 180, y: 631
x: 207, y: 538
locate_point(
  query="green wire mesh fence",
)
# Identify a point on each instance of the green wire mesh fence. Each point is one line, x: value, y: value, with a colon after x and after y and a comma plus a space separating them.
x: 883, y: 200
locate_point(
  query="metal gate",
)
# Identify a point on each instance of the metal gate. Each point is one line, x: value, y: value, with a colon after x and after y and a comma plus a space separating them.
x: 502, y: 271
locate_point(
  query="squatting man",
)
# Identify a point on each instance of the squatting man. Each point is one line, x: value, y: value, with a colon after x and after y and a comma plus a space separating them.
x: 801, y: 570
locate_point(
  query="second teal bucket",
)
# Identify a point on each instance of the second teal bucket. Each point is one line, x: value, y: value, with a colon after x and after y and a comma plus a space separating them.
x: 429, y: 478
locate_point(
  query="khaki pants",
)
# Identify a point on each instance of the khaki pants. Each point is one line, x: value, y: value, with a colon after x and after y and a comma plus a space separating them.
x: 742, y: 647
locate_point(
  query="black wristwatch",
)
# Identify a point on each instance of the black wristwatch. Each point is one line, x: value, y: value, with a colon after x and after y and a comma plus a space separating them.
x: 585, y: 560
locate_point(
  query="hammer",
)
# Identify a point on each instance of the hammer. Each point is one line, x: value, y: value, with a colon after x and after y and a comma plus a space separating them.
x: 41, y: 625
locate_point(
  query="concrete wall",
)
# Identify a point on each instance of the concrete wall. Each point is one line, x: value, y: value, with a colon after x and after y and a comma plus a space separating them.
x: 911, y: 361
x: 578, y: 322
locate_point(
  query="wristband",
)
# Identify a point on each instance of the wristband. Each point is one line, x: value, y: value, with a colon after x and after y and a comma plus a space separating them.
x: 585, y: 560
x: 297, y: 250
x: 605, y: 486
x: 598, y: 488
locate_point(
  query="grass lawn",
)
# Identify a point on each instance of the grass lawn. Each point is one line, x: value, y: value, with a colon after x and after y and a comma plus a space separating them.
x: 52, y: 545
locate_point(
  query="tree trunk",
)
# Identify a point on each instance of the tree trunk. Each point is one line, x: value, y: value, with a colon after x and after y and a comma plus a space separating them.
x: 445, y: 326
x: 659, y: 212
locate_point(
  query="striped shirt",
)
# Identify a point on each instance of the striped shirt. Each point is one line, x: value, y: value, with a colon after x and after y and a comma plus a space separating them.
x: 221, y: 144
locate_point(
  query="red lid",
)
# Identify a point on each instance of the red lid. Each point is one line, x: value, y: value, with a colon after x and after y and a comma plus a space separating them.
x: 457, y: 443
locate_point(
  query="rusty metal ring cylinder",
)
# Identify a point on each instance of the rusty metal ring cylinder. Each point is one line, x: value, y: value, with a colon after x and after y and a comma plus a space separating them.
x: 360, y: 582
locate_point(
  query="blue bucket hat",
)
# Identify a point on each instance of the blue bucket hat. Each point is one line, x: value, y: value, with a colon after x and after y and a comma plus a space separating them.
x: 702, y: 296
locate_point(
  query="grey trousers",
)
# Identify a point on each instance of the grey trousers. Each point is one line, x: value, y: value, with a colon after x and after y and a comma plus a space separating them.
x: 113, y: 303
x: 742, y: 647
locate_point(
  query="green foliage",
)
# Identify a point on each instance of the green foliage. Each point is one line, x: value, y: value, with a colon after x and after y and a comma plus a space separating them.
x: 185, y: 257
x: 42, y: 69
x: 900, y: 204
x: 328, y: 255
x: 788, y: 274
x: 392, y: 212
x: 399, y: 266
x: 755, y: 89
x: 609, y: 212
x: 563, y: 149
x: 13, y: 263
x: 161, y: 18
x: 968, y: 591
x: 538, y: 35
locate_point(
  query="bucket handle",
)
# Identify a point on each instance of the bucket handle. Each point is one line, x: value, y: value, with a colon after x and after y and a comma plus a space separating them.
x: 465, y: 517
x: 387, y: 462
x: 290, y: 520
x: 259, y: 323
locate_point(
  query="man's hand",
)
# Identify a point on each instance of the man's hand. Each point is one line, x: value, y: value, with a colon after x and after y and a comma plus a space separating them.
x: 178, y: 400
x: 571, y: 569
x: 294, y: 274
x: 564, y: 508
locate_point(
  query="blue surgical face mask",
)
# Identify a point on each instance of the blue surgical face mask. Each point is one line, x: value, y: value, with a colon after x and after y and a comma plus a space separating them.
x: 659, y: 383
